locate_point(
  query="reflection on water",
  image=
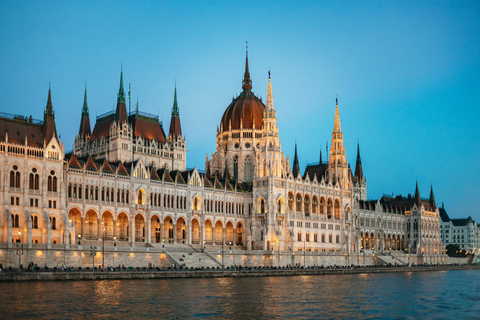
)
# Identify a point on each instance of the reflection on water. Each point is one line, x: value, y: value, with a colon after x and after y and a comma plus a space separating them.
x: 438, y: 295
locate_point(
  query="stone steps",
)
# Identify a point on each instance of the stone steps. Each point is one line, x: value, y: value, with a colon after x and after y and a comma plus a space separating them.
x: 195, y: 259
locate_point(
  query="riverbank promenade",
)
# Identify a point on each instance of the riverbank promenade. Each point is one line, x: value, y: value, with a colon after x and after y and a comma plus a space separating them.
x: 168, y: 273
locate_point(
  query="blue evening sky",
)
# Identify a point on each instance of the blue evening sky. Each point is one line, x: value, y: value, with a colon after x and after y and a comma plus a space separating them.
x: 407, y: 74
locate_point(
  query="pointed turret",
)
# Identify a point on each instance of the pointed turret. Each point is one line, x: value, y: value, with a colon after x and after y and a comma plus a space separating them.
x: 321, y: 161
x: 85, y: 121
x: 175, y: 127
x: 269, y: 105
x: 296, y: 166
x: 432, y: 198
x: 336, y: 126
x: 417, y: 195
x: 358, y: 165
x: 247, y: 82
x: 49, y: 128
x: 121, y: 112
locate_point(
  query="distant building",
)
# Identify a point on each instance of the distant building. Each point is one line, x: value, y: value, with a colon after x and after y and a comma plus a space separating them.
x: 463, y: 232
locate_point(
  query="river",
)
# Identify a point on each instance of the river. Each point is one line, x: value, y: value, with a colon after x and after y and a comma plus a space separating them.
x: 419, y: 295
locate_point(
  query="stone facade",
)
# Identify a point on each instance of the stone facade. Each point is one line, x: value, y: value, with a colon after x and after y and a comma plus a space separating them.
x: 125, y: 187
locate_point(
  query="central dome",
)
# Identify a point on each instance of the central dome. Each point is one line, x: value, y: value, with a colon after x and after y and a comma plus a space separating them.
x: 246, y: 109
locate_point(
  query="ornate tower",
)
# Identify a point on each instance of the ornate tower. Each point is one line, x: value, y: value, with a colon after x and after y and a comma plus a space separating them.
x: 337, y: 162
x: 177, y: 142
x: 49, y: 128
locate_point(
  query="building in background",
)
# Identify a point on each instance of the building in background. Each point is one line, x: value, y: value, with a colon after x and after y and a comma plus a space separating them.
x: 463, y: 232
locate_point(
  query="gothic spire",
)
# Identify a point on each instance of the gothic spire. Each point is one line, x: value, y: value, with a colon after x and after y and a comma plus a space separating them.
x: 85, y: 105
x: 247, y: 82
x: 49, y: 108
x: 417, y: 195
x: 175, y: 127
x: 296, y: 166
x: 320, y: 155
x: 121, y: 112
x: 121, y: 92
x: 432, y: 198
x: 336, y: 127
x: 85, y: 120
x: 358, y: 165
x: 175, y: 111
x: 269, y: 105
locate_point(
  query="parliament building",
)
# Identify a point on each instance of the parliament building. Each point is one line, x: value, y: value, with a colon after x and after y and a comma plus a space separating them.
x: 125, y: 196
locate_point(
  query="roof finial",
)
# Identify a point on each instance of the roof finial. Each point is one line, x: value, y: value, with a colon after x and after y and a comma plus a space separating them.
x: 246, y: 42
x: 336, y: 100
x: 268, y: 73
x: 246, y: 83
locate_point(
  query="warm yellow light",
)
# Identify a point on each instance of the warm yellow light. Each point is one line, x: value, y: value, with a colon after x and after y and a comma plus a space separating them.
x: 39, y: 253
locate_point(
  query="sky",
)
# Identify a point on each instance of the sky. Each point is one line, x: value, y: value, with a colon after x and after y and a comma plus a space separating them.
x: 407, y: 75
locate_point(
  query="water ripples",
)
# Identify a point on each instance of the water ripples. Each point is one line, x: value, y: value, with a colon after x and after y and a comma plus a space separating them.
x: 428, y: 295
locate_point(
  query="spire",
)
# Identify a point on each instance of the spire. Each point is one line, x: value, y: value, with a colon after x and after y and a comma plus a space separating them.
x: 175, y: 111
x: 85, y: 120
x: 417, y: 195
x: 121, y: 92
x: 296, y: 166
x: 136, y: 109
x: 121, y: 112
x: 175, y: 127
x: 246, y: 83
x: 269, y: 105
x: 320, y: 162
x: 49, y: 108
x: 336, y: 127
x: 432, y: 198
x: 49, y: 129
x: 358, y: 166
x: 85, y: 105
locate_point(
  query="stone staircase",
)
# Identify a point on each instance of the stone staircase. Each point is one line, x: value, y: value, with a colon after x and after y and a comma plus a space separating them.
x: 390, y: 259
x: 194, y: 259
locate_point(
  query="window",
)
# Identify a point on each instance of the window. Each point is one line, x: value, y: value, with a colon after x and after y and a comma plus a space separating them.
x: 299, y: 236
x: 52, y: 182
x: 34, y: 222
x: 15, y: 221
x: 337, y: 238
x: 14, y: 177
x: 53, y: 223
x: 33, y: 180
x: 248, y: 169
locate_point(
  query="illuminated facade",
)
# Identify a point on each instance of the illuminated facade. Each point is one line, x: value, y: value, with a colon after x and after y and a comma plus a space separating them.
x: 125, y: 185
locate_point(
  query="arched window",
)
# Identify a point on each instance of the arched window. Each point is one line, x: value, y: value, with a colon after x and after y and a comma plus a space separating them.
x: 52, y: 182
x: 53, y: 223
x: 33, y: 180
x: 330, y: 238
x: 299, y: 236
x: 337, y: 209
x: 329, y: 208
x: 337, y: 238
x: 248, y: 169
x: 15, y: 220
x: 235, y: 167
x: 290, y: 202
x: 140, y: 197
x: 34, y: 222
x: 15, y: 178
x: 299, y: 203
x: 69, y: 192
x: 322, y: 205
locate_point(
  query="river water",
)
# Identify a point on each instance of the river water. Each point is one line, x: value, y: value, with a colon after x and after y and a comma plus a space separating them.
x: 422, y: 295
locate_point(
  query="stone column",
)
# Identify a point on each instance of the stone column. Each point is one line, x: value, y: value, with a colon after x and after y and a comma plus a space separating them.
x: 9, y: 225
x: 202, y: 234
x: 149, y: 231
x: 175, y: 233
x: 234, y: 243
x: 49, y: 234
x: 188, y: 228
x: 213, y: 235
x: 161, y: 232
x: 132, y: 232
x: 29, y: 227
x: 99, y: 229
x: 83, y: 228
x: 114, y: 228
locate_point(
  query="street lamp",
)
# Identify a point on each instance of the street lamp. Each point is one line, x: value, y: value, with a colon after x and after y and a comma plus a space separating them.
x: 93, y: 252
x: 19, y: 253
x: 79, y: 237
x: 103, y: 249
x: 114, y: 241
x: 223, y: 242
x: 19, y: 236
